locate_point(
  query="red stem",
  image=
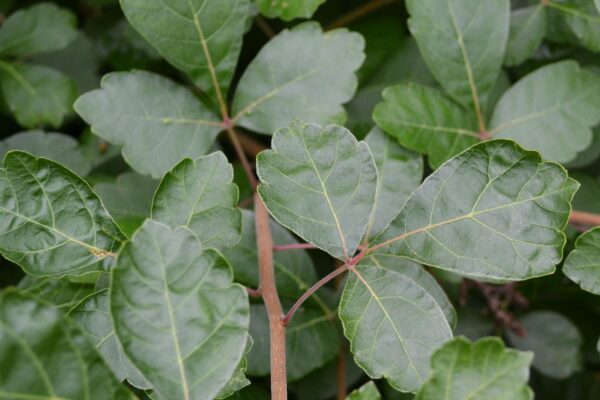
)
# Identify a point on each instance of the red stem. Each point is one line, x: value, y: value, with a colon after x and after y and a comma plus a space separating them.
x: 293, y: 246
x: 584, y: 218
x: 240, y: 154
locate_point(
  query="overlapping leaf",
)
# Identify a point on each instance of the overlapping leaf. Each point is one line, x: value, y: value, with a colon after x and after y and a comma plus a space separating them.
x: 177, y: 314
x: 36, y: 95
x: 462, y: 43
x: 583, y: 264
x: 43, y: 356
x: 288, y: 10
x: 41, y: 28
x: 200, y: 194
x: 505, y: 222
x: 578, y: 22
x: 157, y: 122
x: 393, y: 325
x: 551, y: 110
x: 367, y: 391
x: 51, y: 223
x: 202, y: 38
x: 425, y: 120
x: 527, y: 30
x: 478, y: 371
x: 320, y: 182
x: 301, y: 73
x: 63, y: 293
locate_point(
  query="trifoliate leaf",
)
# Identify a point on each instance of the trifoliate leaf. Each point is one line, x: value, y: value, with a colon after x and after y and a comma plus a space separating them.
x: 157, y: 121
x: 399, y: 173
x: 583, y: 264
x: 425, y: 120
x: 315, y: 75
x: 527, y: 30
x: 200, y: 195
x: 41, y: 28
x: 551, y: 110
x: 177, y: 314
x: 202, y: 38
x: 481, y: 370
x: 44, y: 356
x: 320, y: 182
x: 93, y: 317
x: 54, y: 146
x: 368, y: 391
x: 288, y: 10
x: 462, y: 43
x: 51, y: 222
x: 393, y: 325
x: 36, y: 95
x: 495, y: 211
x: 554, y: 340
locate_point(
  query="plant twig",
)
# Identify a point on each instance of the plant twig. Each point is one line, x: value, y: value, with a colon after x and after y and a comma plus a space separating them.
x: 241, y: 156
x: 264, y: 26
x: 584, y: 218
x: 271, y: 298
x: 360, y: 12
x: 341, y: 374
x: 293, y: 246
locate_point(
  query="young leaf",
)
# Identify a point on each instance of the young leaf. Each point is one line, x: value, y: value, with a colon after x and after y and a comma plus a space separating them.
x: 202, y: 38
x: 54, y: 146
x: 93, y: 317
x: 481, y: 370
x: 294, y: 270
x: 425, y: 120
x: 393, y: 325
x: 583, y: 264
x: 320, y: 182
x: 44, y: 356
x: 38, y: 29
x: 36, y: 95
x: 51, y: 223
x: 288, y: 10
x: 527, y: 30
x: 312, y: 339
x: 177, y: 314
x: 157, y: 121
x: 315, y: 75
x: 399, y: 173
x: 550, y: 110
x: 200, y: 194
x: 367, y: 391
x: 554, y: 340
x: 421, y: 277
x: 465, y: 50
x: 494, y: 211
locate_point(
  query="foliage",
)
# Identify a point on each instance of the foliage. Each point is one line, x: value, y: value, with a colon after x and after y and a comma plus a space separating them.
x: 248, y: 205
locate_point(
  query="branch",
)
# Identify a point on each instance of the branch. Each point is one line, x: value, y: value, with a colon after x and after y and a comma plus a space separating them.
x: 584, y: 218
x: 241, y: 156
x: 360, y: 12
x: 264, y: 26
x: 341, y: 374
x: 293, y: 246
x: 264, y: 242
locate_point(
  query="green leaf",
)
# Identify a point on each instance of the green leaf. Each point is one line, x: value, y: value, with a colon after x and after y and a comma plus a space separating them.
x: 551, y: 110
x: 238, y: 380
x: 399, y: 173
x: 315, y: 75
x: 200, y: 194
x: 368, y: 391
x: 494, y: 212
x: 312, y: 339
x: 465, y: 50
x: 51, y: 223
x: 93, y: 317
x: 54, y: 146
x: 294, y: 270
x: 597, y: 2
x: 393, y: 325
x: 43, y: 356
x: 177, y: 314
x: 288, y: 10
x: 583, y: 264
x: 128, y: 199
x: 62, y: 293
x: 320, y: 182
x: 36, y: 95
x: 554, y: 340
x: 527, y: 30
x: 581, y: 20
x: 481, y: 370
x: 157, y: 121
x: 202, y: 38
x: 421, y: 277
x: 41, y: 28
x: 425, y: 120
